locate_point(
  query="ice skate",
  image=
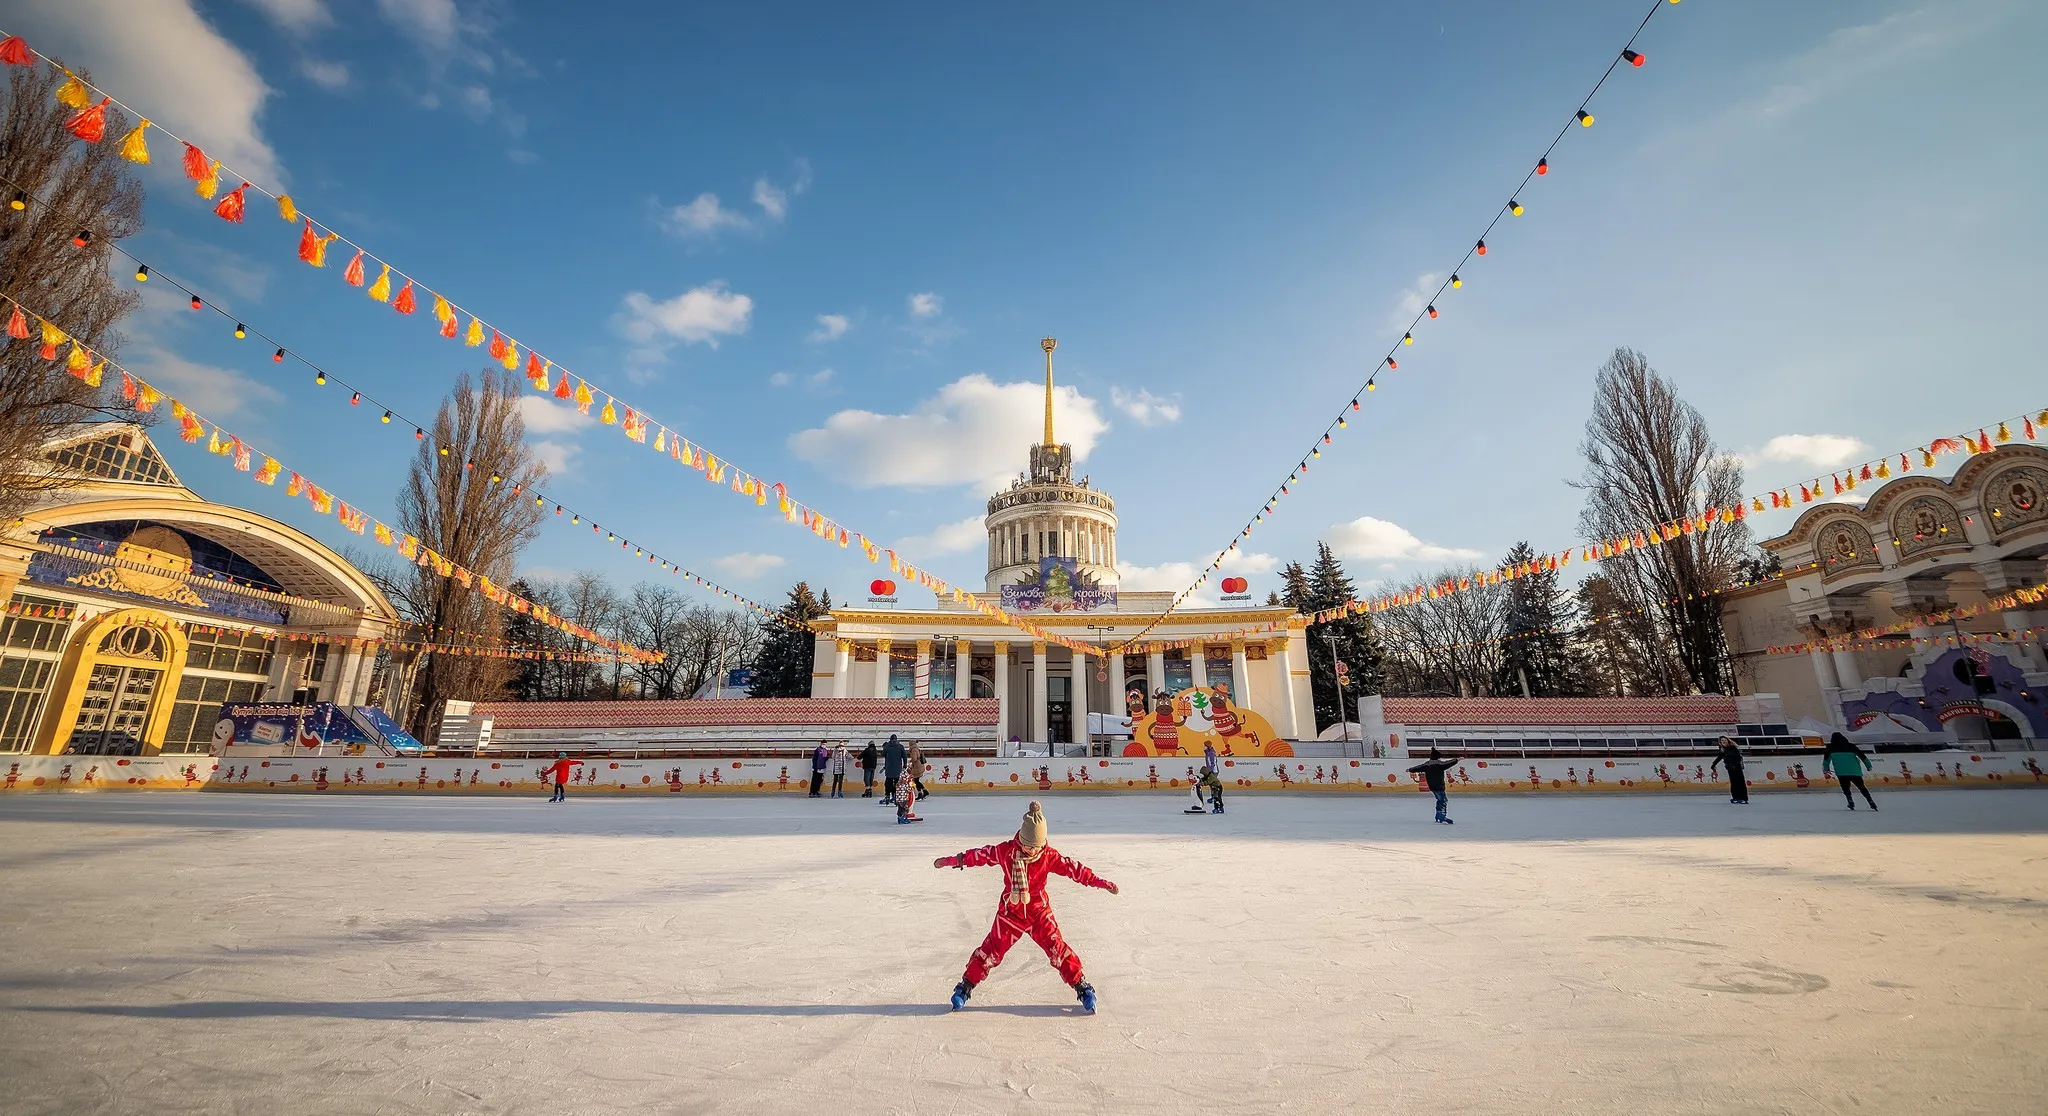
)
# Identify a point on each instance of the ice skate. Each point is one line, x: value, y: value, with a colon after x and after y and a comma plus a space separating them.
x: 1216, y: 809
x: 1086, y: 992
x: 962, y: 992
x: 907, y: 819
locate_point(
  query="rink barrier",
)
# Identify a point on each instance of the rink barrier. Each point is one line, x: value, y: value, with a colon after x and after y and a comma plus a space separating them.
x: 1159, y: 774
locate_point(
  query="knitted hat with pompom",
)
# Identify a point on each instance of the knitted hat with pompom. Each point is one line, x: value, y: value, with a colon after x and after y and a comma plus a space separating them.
x: 1031, y: 834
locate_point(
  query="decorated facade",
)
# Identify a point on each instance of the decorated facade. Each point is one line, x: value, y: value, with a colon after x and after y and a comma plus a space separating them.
x: 135, y: 608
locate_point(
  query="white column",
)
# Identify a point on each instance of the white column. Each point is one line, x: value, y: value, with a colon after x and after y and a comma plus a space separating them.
x: 1082, y: 675
x: 1115, y: 708
x: 921, y: 673
x: 1198, y: 662
x: 1847, y: 668
x: 842, y: 668
x: 274, y: 687
x: 1240, y: 677
x: 881, y: 668
x: 1155, y: 668
x: 1824, y: 669
x: 963, y: 668
x: 1289, y: 726
x: 1039, y: 732
x: 1002, y: 681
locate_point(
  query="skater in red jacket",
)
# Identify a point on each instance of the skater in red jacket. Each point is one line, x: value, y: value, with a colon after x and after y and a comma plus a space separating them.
x: 1026, y: 860
x: 560, y: 770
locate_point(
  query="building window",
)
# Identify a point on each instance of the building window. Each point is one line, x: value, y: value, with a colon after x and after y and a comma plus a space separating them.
x: 24, y: 683
x: 198, y: 708
x: 230, y: 652
x: 28, y: 633
x: 111, y: 458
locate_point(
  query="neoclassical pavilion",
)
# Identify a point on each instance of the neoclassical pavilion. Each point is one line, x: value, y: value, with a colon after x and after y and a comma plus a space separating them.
x: 1920, y: 545
x: 135, y: 607
x: 1052, y: 558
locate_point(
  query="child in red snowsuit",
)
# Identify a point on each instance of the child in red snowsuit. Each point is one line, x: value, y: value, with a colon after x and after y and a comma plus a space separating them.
x: 1026, y: 861
x: 560, y: 770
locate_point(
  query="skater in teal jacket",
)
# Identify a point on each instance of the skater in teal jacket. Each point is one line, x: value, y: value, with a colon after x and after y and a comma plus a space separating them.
x: 1848, y: 763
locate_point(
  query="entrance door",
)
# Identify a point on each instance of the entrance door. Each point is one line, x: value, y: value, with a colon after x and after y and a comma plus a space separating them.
x: 1059, y: 709
x: 114, y: 711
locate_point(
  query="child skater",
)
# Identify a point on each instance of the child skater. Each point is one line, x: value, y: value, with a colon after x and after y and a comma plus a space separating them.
x: 1201, y: 803
x: 1432, y: 773
x: 1214, y: 785
x: 1026, y: 860
x: 560, y: 770
x: 906, y: 801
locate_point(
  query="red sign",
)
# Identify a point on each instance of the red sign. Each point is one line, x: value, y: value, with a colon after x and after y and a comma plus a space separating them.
x: 1956, y: 709
x: 1235, y: 585
x: 882, y: 587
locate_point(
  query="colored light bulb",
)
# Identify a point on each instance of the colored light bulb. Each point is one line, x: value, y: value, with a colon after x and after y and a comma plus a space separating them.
x: 1456, y: 282
x: 1543, y: 166
x: 1407, y: 339
x: 1585, y: 119
x: 241, y: 331
x: 196, y: 304
x: 1515, y: 207
x: 1432, y: 309
x: 320, y: 378
x: 1634, y: 59
x: 141, y: 273
x: 386, y: 418
x: 81, y: 238
x: 277, y: 357
x: 1482, y: 248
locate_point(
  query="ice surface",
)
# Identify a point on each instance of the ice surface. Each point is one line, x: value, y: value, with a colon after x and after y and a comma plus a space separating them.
x: 267, y: 954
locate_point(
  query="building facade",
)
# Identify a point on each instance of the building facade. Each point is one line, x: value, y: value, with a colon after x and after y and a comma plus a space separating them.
x: 1919, y: 546
x: 135, y: 608
x: 1051, y: 557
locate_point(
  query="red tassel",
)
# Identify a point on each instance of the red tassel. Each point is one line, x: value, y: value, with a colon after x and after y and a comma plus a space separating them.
x: 448, y: 326
x: 15, y: 51
x: 497, y: 345
x: 197, y: 165
x: 1866, y: 472
x: 230, y: 207
x: 90, y: 124
x: 1838, y: 485
x: 536, y: 371
x: 405, y: 302
x: 2027, y: 425
x: 309, y: 246
x: 17, y: 325
x: 561, y: 387
x: 354, y: 275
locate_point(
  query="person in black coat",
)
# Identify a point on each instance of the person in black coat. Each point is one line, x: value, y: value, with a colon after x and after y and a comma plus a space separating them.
x: 867, y: 769
x: 1432, y: 772
x: 892, y: 768
x: 1731, y: 756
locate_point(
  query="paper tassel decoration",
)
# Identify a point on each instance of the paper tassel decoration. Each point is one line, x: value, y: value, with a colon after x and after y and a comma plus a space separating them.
x: 297, y: 485
x: 406, y: 302
x: 562, y: 387
x: 14, y: 51
x: 286, y: 208
x: 583, y: 397
x: 17, y: 324
x: 230, y: 207
x: 353, y: 274
x: 189, y: 427
x: 536, y: 371
x: 511, y: 358
x: 73, y: 93
x: 135, y: 148
x: 90, y: 124
x: 448, y: 328
x: 268, y: 474
x: 381, y: 289
x: 196, y: 163
x: 147, y: 398
x: 207, y: 186
x: 78, y: 361
x: 497, y: 349
x: 241, y: 455
x: 608, y: 416
x: 475, y: 336
x: 92, y: 378
x: 52, y: 337
x: 443, y: 312
x: 313, y: 247
x: 384, y: 537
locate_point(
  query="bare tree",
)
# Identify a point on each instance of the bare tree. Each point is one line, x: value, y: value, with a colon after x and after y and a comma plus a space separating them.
x: 465, y: 499
x: 67, y: 188
x: 1447, y: 646
x: 1651, y: 463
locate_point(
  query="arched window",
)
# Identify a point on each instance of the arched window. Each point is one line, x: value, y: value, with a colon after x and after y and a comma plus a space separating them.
x: 134, y: 641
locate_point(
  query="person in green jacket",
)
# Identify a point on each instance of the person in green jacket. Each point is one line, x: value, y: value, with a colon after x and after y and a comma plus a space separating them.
x: 1848, y: 763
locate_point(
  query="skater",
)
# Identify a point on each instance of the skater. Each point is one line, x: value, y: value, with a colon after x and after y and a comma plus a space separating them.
x: 1738, y: 787
x: 560, y: 768
x: 892, y: 767
x: 1209, y: 757
x: 1201, y: 804
x: 839, y: 770
x: 1848, y: 763
x: 867, y: 769
x: 1026, y: 860
x: 914, y: 768
x: 1214, y: 784
x: 1432, y: 773
x: 906, y: 802
x: 820, y: 757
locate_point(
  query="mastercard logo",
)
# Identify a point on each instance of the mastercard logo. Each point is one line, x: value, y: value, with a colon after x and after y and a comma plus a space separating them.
x: 881, y: 587
x: 1235, y: 585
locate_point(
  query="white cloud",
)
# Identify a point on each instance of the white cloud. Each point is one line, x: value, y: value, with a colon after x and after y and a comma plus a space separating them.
x: 772, y: 199
x: 1414, y: 300
x: 1144, y: 407
x: 816, y: 379
x: 164, y: 55
x: 779, y: 379
x: 704, y: 216
x: 926, y: 305
x: 831, y: 327
x: 974, y: 431
x: 1369, y: 539
x: 545, y: 417
x: 557, y: 456
x: 947, y: 538
x: 432, y: 22
x: 747, y: 564
x: 822, y: 377
x: 295, y: 17
x: 326, y: 75
x: 698, y: 315
x: 475, y: 98
x: 212, y: 391
x: 1818, y: 451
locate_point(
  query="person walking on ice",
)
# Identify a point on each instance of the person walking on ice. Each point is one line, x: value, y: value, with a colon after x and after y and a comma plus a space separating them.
x: 1432, y: 772
x: 1848, y: 763
x: 560, y: 770
x: 1738, y: 785
x: 1026, y: 860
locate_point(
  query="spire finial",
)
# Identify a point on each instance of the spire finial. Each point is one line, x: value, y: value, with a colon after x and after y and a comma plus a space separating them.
x: 1048, y: 344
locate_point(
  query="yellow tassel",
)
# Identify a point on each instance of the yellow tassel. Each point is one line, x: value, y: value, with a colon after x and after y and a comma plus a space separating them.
x: 1926, y: 459
x: 442, y: 311
x: 52, y: 336
x: 583, y: 397
x: 77, y: 361
x: 1756, y: 504
x: 511, y: 361
x: 135, y: 148
x: 609, y: 416
x: 2004, y: 435
x: 206, y: 187
x: 92, y: 378
x: 1883, y: 470
x: 287, y: 209
x: 73, y: 92
x: 381, y: 289
x: 476, y: 332
x: 661, y: 440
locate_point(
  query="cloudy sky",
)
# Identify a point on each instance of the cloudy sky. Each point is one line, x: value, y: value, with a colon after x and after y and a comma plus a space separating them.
x: 824, y: 243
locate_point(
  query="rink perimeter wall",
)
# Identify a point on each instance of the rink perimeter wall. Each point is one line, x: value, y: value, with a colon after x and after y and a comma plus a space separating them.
x: 331, y: 775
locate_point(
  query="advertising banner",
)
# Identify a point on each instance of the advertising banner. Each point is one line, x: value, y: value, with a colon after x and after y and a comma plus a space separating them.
x: 1058, y: 586
x: 1193, y: 718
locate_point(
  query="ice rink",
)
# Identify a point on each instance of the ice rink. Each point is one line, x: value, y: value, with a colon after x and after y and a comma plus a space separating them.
x: 252, y: 953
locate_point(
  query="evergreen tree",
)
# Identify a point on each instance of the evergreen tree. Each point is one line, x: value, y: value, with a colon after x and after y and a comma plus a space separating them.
x: 789, y: 647
x: 1538, y: 656
x: 1352, y: 639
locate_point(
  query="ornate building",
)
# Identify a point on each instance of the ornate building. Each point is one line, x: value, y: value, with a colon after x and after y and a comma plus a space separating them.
x: 135, y: 607
x: 1052, y: 556
x: 1920, y: 545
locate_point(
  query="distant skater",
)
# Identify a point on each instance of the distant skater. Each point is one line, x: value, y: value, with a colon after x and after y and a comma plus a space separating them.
x: 1848, y: 763
x: 1432, y: 772
x: 1209, y: 757
x: 1214, y: 784
x: 560, y: 769
x: 914, y: 768
x: 906, y: 801
x: 1196, y: 790
x: 1731, y: 756
x: 892, y: 767
x: 820, y: 757
x: 1026, y: 860
x: 867, y: 769
x: 839, y: 758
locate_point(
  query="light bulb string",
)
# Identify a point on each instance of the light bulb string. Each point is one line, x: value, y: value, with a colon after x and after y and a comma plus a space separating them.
x: 1387, y: 362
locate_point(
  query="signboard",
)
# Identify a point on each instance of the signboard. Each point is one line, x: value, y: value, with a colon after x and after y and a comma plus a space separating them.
x: 1236, y: 589
x: 1058, y: 586
x: 881, y: 591
x: 1183, y: 724
x: 738, y: 679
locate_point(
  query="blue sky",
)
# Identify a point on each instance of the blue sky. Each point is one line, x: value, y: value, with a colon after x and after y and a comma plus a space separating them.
x: 825, y: 242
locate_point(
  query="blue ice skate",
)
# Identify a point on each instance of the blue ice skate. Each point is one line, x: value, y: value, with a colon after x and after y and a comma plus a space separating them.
x: 962, y: 992
x: 1086, y: 992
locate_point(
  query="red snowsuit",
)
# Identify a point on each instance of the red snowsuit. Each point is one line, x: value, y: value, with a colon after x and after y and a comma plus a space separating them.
x: 1024, y: 908
x: 561, y: 770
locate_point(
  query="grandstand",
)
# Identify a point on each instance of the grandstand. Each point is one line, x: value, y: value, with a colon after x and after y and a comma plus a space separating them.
x: 715, y: 727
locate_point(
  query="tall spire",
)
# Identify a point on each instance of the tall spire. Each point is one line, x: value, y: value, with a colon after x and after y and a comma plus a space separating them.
x: 1048, y: 344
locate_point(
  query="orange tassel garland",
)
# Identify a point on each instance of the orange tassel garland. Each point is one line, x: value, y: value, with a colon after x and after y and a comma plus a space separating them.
x: 230, y: 207
x: 406, y: 302
x: 90, y: 124
x: 353, y: 276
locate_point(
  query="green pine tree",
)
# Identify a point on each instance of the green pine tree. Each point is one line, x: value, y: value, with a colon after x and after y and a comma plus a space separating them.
x: 1355, y: 643
x: 789, y: 647
x: 1537, y: 652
